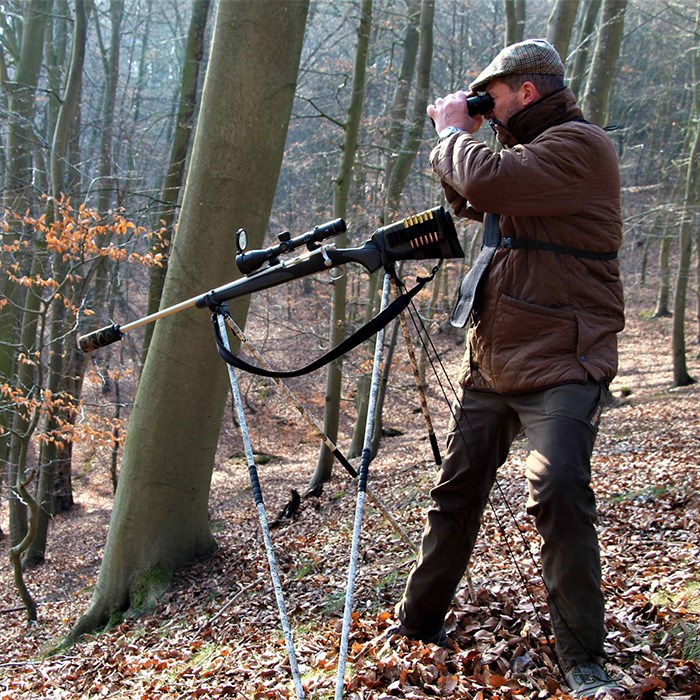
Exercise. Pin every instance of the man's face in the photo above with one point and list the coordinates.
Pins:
(506, 103)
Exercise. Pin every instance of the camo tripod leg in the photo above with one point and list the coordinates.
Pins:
(262, 515)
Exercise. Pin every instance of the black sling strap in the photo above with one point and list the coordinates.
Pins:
(556, 248)
(493, 240)
(470, 283)
(359, 336)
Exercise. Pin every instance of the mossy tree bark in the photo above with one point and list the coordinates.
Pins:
(576, 67)
(689, 219)
(52, 457)
(399, 169)
(561, 24)
(160, 518)
(17, 191)
(515, 21)
(166, 213)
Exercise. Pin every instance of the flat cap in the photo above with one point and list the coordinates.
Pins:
(529, 57)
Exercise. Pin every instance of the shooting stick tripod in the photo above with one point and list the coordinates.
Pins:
(222, 316)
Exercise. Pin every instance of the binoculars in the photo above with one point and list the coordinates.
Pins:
(479, 104)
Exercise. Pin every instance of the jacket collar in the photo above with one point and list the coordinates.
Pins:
(556, 108)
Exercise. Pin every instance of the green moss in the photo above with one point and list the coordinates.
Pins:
(304, 568)
(334, 603)
(259, 457)
(149, 587)
(648, 493)
(686, 635)
(218, 526)
(688, 597)
(116, 617)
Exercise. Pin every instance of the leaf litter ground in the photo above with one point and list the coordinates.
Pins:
(216, 632)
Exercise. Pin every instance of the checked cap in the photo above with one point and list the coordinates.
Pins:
(530, 57)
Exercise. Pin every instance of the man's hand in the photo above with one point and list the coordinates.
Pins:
(451, 110)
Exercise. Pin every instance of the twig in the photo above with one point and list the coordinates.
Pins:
(7, 611)
(227, 605)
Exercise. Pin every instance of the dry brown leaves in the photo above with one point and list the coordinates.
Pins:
(216, 633)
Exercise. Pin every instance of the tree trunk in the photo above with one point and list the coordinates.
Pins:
(20, 323)
(160, 517)
(603, 66)
(398, 176)
(55, 60)
(515, 21)
(689, 222)
(104, 182)
(363, 382)
(663, 294)
(399, 103)
(576, 69)
(409, 149)
(165, 216)
(70, 103)
(560, 25)
(35, 547)
(136, 101)
(697, 287)
(387, 356)
(17, 193)
(51, 455)
(21, 140)
(331, 413)
(695, 108)
(25, 419)
(664, 291)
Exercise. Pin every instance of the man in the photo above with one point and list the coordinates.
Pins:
(541, 344)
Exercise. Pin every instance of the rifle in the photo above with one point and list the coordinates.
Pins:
(429, 234)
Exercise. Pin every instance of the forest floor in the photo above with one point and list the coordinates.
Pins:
(216, 633)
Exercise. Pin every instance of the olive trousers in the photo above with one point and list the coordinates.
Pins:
(560, 424)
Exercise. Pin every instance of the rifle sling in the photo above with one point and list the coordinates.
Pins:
(359, 336)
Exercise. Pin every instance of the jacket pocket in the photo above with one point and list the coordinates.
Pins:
(534, 345)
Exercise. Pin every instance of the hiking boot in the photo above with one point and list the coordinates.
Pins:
(439, 638)
(588, 679)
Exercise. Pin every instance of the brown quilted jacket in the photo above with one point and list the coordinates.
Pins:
(542, 318)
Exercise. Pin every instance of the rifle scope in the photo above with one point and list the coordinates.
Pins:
(248, 263)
